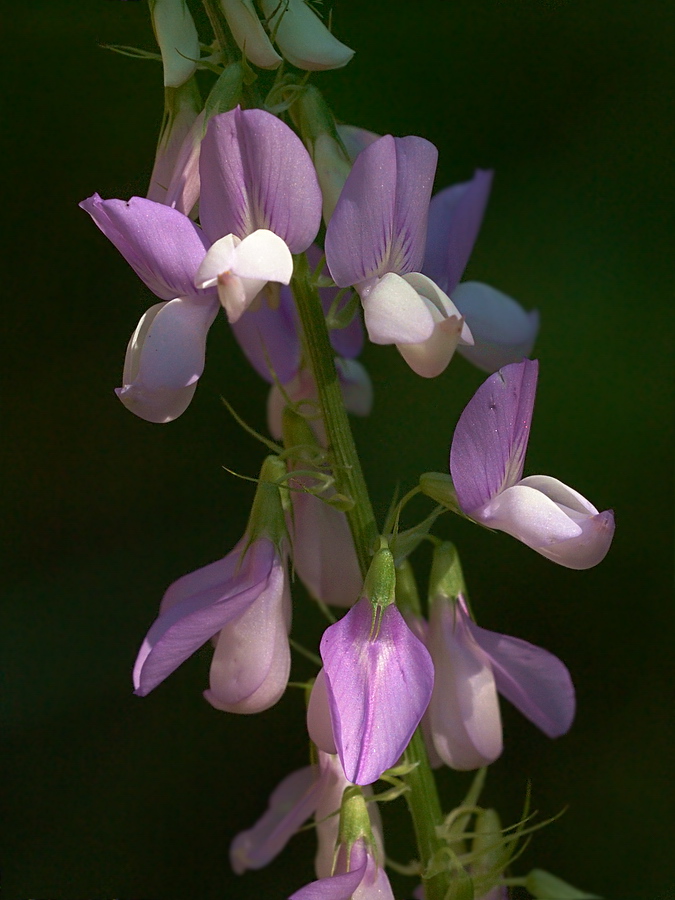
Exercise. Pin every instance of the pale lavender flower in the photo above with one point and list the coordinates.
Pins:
(177, 38)
(375, 241)
(358, 875)
(243, 602)
(486, 464)
(471, 665)
(260, 202)
(378, 678)
(502, 331)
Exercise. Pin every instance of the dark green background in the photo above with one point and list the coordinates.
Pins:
(110, 796)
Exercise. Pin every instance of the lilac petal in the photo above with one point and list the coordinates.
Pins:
(378, 689)
(171, 155)
(534, 680)
(464, 710)
(165, 358)
(256, 173)
(356, 139)
(379, 223)
(503, 332)
(552, 519)
(210, 598)
(336, 887)
(303, 38)
(252, 659)
(394, 312)
(319, 724)
(291, 803)
(182, 192)
(327, 815)
(455, 216)
(267, 334)
(490, 440)
(162, 246)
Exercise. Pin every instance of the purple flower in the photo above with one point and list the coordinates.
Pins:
(375, 241)
(471, 665)
(378, 678)
(502, 331)
(357, 876)
(243, 602)
(486, 464)
(260, 202)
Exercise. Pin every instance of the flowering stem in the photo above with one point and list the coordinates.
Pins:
(422, 796)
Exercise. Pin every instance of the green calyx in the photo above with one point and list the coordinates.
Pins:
(267, 517)
(354, 819)
(440, 488)
(447, 579)
(380, 584)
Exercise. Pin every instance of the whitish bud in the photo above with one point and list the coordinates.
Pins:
(249, 33)
(177, 38)
(302, 37)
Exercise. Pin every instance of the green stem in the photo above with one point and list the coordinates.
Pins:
(214, 15)
(422, 796)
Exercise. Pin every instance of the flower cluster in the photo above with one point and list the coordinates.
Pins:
(237, 196)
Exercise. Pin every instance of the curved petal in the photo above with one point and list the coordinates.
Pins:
(263, 255)
(464, 710)
(177, 38)
(267, 334)
(335, 887)
(256, 173)
(394, 313)
(490, 440)
(303, 38)
(379, 223)
(552, 519)
(252, 659)
(182, 192)
(249, 33)
(378, 685)
(455, 216)
(319, 724)
(165, 358)
(534, 680)
(188, 623)
(356, 139)
(162, 246)
(182, 111)
(327, 815)
(291, 803)
(323, 551)
(502, 330)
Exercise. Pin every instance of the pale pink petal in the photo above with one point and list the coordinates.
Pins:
(394, 313)
(249, 33)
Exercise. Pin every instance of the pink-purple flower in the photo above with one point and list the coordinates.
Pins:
(486, 463)
(358, 875)
(260, 202)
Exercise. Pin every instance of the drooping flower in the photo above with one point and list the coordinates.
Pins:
(502, 331)
(378, 678)
(260, 202)
(486, 464)
(375, 241)
(243, 602)
(303, 38)
(471, 665)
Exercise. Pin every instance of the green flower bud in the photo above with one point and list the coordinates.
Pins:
(544, 886)
(439, 487)
(267, 517)
(380, 583)
(446, 579)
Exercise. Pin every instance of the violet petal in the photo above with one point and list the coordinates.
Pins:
(378, 689)
(256, 173)
(490, 440)
(162, 246)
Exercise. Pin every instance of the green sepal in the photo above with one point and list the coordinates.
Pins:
(447, 579)
(407, 595)
(225, 93)
(544, 886)
(267, 517)
(380, 584)
(440, 488)
(354, 819)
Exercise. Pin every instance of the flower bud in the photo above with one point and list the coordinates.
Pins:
(249, 33)
(544, 886)
(303, 38)
(177, 38)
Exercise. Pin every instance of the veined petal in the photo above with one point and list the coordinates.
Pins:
(165, 358)
(162, 246)
(394, 313)
(534, 680)
(378, 685)
(335, 887)
(319, 724)
(464, 710)
(249, 33)
(554, 520)
(455, 216)
(256, 173)
(252, 659)
(263, 255)
(379, 223)
(291, 803)
(502, 330)
(187, 624)
(490, 440)
(303, 38)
